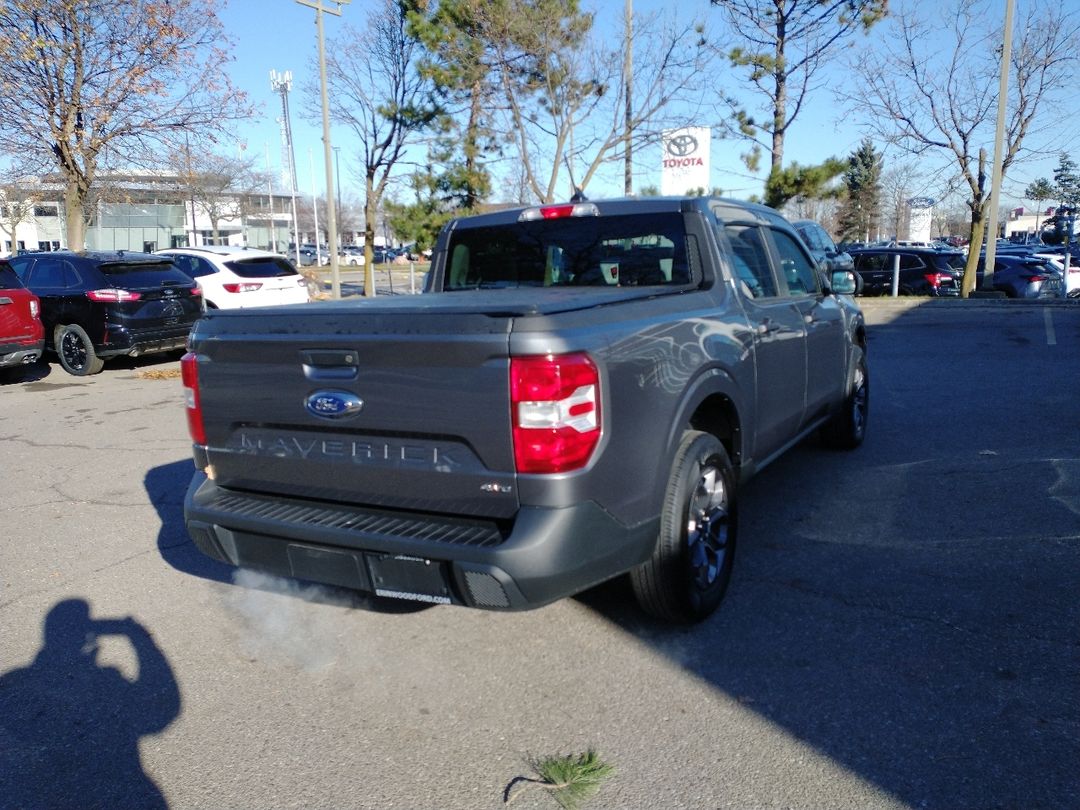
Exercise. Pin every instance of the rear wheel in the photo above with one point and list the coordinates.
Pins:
(847, 429)
(691, 566)
(76, 351)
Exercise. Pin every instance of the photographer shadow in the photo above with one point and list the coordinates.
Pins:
(70, 726)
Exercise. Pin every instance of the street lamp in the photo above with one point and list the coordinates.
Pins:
(332, 213)
(337, 181)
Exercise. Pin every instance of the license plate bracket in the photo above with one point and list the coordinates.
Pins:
(401, 576)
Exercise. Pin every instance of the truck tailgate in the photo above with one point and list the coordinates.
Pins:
(396, 408)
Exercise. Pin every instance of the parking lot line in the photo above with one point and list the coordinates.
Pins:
(1051, 339)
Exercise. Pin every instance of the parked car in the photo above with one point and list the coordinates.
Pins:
(101, 304)
(22, 336)
(353, 254)
(234, 277)
(821, 245)
(923, 271)
(1021, 276)
(310, 255)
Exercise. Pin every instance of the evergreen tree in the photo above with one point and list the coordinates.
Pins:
(802, 181)
(861, 209)
(1038, 192)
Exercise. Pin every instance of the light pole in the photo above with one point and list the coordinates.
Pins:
(331, 213)
(337, 181)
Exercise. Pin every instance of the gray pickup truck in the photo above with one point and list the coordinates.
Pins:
(578, 394)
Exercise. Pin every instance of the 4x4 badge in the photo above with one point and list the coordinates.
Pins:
(333, 404)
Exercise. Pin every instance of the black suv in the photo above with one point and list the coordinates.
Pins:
(923, 271)
(99, 304)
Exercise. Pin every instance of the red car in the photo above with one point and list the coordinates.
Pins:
(22, 337)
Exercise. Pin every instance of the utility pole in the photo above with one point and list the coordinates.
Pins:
(335, 273)
(337, 180)
(270, 199)
(999, 136)
(282, 83)
(628, 81)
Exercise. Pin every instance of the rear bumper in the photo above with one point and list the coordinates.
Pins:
(16, 354)
(121, 341)
(545, 555)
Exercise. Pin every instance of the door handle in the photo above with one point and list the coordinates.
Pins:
(768, 327)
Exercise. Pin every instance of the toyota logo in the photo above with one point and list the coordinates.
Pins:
(682, 145)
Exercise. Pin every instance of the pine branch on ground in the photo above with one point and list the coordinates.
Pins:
(570, 780)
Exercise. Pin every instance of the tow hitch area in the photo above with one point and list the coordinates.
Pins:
(415, 578)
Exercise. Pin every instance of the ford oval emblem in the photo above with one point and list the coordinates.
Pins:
(333, 404)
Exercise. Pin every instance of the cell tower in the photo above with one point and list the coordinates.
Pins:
(282, 83)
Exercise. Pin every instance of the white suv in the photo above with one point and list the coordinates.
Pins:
(233, 276)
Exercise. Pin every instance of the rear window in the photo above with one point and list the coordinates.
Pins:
(8, 279)
(956, 261)
(597, 251)
(144, 274)
(261, 267)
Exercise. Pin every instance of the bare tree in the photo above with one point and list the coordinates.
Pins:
(79, 78)
(783, 44)
(928, 99)
(17, 202)
(566, 98)
(378, 93)
(221, 186)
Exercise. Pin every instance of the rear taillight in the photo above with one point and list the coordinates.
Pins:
(1035, 278)
(35, 308)
(112, 296)
(937, 279)
(189, 374)
(250, 286)
(555, 410)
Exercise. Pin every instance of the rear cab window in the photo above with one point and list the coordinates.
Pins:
(631, 250)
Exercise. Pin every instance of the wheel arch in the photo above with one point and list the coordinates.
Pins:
(712, 404)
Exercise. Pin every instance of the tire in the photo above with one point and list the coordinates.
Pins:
(686, 578)
(76, 351)
(847, 429)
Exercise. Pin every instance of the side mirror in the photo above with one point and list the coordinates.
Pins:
(846, 282)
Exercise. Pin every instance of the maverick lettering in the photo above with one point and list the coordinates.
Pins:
(358, 451)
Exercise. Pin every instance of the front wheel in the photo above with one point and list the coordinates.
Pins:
(76, 351)
(847, 429)
(691, 566)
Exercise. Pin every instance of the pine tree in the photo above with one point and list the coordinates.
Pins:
(861, 210)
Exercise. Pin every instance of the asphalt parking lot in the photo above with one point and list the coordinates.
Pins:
(902, 628)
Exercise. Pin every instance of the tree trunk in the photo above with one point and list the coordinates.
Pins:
(369, 236)
(73, 216)
(978, 230)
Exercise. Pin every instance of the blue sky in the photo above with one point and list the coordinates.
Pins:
(281, 35)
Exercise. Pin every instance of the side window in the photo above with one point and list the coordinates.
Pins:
(870, 262)
(750, 260)
(798, 271)
(48, 274)
(71, 276)
(827, 244)
(910, 262)
(21, 268)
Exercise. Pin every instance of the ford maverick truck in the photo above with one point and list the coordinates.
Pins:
(579, 394)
